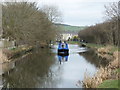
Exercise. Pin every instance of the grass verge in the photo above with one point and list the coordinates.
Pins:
(94, 45)
(73, 42)
(110, 84)
(9, 54)
(97, 46)
(118, 70)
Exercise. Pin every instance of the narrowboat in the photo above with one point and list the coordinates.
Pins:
(63, 49)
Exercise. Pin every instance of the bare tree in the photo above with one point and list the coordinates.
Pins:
(112, 10)
(106, 32)
(53, 13)
(24, 22)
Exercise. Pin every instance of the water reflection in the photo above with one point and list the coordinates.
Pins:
(32, 71)
(62, 58)
(92, 57)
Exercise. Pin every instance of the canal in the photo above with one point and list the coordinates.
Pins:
(43, 68)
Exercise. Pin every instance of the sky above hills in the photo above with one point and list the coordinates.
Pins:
(79, 12)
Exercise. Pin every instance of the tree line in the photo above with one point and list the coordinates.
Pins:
(106, 32)
(25, 23)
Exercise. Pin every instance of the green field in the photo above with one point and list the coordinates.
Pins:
(71, 29)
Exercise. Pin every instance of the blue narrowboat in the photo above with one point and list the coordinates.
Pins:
(63, 49)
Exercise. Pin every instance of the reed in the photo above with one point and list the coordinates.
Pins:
(104, 73)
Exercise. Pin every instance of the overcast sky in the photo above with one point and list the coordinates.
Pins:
(79, 12)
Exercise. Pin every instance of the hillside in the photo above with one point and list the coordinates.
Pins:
(71, 29)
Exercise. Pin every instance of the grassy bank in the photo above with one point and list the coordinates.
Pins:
(110, 84)
(105, 77)
(94, 45)
(19, 51)
(72, 42)
(9, 54)
(97, 46)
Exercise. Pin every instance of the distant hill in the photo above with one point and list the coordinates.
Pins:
(70, 29)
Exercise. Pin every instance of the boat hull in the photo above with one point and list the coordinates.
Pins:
(63, 52)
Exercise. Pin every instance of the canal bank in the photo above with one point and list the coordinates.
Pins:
(9, 54)
(108, 76)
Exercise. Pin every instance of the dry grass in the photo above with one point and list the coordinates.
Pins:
(98, 78)
(105, 50)
(6, 55)
(115, 63)
(3, 57)
(103, 73)
(115, 54)
(107, 53)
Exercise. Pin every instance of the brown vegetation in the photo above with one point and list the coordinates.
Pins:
(104, 73)
(3, 57)
(7, 55)
(104, 53)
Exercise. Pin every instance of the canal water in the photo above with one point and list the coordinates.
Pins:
(43, 68)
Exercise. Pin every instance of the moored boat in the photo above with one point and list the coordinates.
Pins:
(63, 49)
